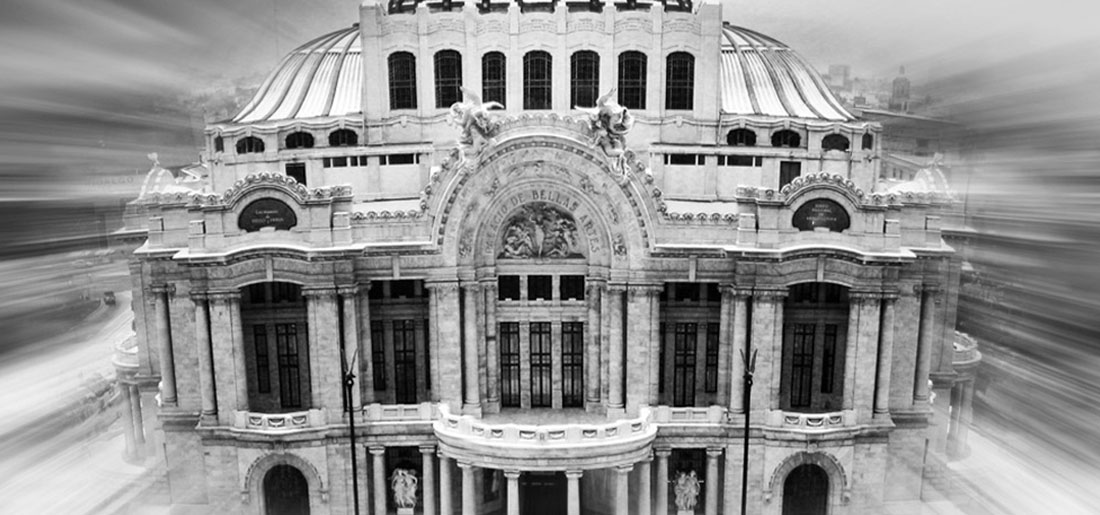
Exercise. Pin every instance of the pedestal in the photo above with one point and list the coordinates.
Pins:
(404, 511)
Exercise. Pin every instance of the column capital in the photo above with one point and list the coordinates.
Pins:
(168, 288)
(464, 465)
(644, 289)
(616, 287)
(377, 451)
(473, 286)
(310, 292)
(199, 296)
(734, 290)
(224, 296)
(512, 474)
(574, 474)
(348, 290)
(864, 295)
(442, 287)
(714, 452)
(769, 294)
(623, 470)
(427, 449)
(662, 452)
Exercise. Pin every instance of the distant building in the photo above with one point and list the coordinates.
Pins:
(840, 76)
(899, 94)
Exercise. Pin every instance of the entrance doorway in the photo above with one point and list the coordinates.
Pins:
(542, 493)
(806, 491)
(285, 491)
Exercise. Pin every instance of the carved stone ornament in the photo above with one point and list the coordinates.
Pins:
(404, 484)
(687, 491)
(539, 230)
(478, 126)
(610, 123)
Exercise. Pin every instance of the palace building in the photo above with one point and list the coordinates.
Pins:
(541, 236)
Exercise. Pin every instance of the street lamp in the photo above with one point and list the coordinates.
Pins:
(349, 385)
(750, 367)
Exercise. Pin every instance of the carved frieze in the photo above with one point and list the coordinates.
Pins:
(539, 230)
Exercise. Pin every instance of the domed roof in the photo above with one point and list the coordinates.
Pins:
(762, 76)
(321, 78)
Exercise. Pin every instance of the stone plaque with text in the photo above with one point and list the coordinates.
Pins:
(267, 212)
(821, 213)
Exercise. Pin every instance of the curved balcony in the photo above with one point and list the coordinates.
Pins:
(125, 359)
(575, 446)
(966, 351)
(279, 422)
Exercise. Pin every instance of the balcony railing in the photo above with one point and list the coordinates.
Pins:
(689, 415)
(966, 350)
(549, 435)
(423, 412)
(817, 421)
(279, 422)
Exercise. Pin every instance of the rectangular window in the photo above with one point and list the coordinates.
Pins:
(585, 83)
(710, 382)
(378, 354)
(404, 361)
(508, 287)
(286, 345)
(828, 358)
(572, 287)
(509, 364)
(540, 287)
(802, 363)
(263, 363)
(537, 80)
(572, 364)
(398, 159)
(632, 77)
(789, 171)
(685, 159)
(680, 81)
(427, 354)
(662, 334)
(403, 289)
(541, 366)
(683, 365)
(297, 171)
(687, 292)
(737, 160)
(493, 78)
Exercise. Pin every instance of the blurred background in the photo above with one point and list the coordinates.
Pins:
(1009, 91)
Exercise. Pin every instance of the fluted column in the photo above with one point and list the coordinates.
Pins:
(224, 309)
(471, 370)
(615, 402)
(352, 353)
(492, 346)
(378, 475)
(711, 506)
(885, 357)
(446, 499)
(740, 342)
(205, 354)
(366, 347)
(449, 343)
(661, 482)
(513, 491)
(469, 500)
(593, 296)
(645, 483)
(164, 345)
(622, 489)
(427, 464)
(925, 340)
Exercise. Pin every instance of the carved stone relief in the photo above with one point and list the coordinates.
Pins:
(539, 230)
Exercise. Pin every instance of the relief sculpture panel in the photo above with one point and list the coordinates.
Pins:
(539, 230)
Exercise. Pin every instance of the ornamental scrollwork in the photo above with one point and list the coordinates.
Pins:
(540, 230)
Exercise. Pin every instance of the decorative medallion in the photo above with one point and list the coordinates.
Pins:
(539, 230)
(821, 212)
(267, 212)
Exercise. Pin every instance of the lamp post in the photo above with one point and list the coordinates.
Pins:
(750, 367)
(349, 383)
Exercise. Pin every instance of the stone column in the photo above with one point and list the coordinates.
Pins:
(573, 492)
(655, 344)
(925, 341)
(615, 403)
(885, 358)
(645, 482)
(164, 345)
(513, 491)
(352, 353)
(965, 418)
(851, 346)
(711, 506)
(326, 385)
(446, 500)
(777, 352)
(739, 345)
(139, 420)
(427, 463)
(769, 355)
(593, 295)
(240, 364)
(449, 350)
(622, 489)
(639, 348)
(366, 348)
(469, 501)
(378, 474)
(127, 416)
(725, 340)
(206, 357)
(492, 347)
(867, 355)
(661, 482)
(471, 372)
(224, 308)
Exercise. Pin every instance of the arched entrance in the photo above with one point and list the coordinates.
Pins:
(806, 491)
(542, 493)
(285, 491)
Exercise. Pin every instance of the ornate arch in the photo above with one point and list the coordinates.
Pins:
(252, 486)
(840, 489)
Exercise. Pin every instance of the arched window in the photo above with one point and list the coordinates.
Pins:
(835, 142)
(815, 328)
(402, 80)
(448, 78)
(250, 145)
(679, 81)
(741, 138)
(493, 77)
(343, 138)
(219, 144)
(299, 140)
(585, 85)
(632, 75)
(537, 80)
(868, 142)
(786, 138)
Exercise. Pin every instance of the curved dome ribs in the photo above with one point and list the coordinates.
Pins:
(763, 76)
(320, 78)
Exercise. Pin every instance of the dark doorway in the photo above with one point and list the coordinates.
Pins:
(285, 491)
(806, 491)
(542, 493)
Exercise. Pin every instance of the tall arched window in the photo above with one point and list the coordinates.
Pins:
(250, 145)
(680, 81)
(786, 138)
(219, 144)
(585, 85)
(632, 75)
(402, 80)
(741, 138)
(537, 80)
(493, 77)
(835, 142)
(868, 142)
(448, 78)
(343, 138)
(299, 140)
(815, 327)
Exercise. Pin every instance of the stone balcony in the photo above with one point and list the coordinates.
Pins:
(270, 423)
(966, 351)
